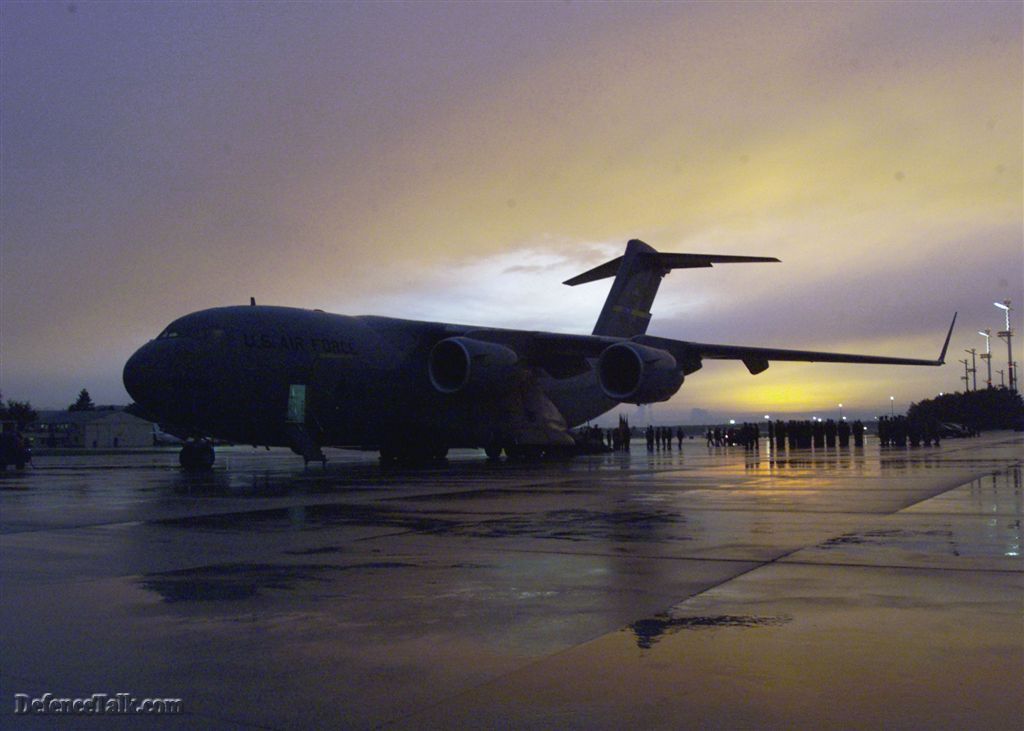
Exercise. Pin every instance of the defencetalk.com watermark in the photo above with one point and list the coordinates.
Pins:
(97, 704)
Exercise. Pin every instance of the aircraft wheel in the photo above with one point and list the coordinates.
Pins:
(206, 456)
(186, 457)
(195, 456)
(559, 453)
(416, 456)
(525, 452)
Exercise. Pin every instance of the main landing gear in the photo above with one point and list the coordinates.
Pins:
(196, 456)
(412, 454)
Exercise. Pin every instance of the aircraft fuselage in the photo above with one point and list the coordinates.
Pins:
(232, 373)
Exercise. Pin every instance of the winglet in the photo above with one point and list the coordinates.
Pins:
(945, 345)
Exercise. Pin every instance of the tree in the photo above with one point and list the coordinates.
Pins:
(84, 402)
(988, 408)
(21, 412)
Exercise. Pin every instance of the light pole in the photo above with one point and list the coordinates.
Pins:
(974, 367)
(892, 407)
(987, 355)
(1008, 334)
(1002, 381)
(966, 377)
(840, 412)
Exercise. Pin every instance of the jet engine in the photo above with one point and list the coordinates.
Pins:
(638, 374)
(458, 363)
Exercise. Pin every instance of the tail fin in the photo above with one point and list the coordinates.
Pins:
(638, 272)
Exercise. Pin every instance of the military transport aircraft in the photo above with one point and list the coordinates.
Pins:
(280, 376)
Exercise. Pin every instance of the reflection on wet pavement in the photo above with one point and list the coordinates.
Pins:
(710, 588)
(231, 582)
(975, 526)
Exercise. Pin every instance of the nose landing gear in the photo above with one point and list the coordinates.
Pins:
(196, 456)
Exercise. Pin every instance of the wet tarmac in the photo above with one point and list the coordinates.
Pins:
(703, 588)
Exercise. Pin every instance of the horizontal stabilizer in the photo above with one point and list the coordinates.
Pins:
(665, 262)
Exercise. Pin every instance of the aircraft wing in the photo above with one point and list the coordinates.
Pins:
(756, 359)
(565, 355)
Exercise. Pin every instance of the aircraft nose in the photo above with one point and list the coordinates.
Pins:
(138, 375)
(167, 378)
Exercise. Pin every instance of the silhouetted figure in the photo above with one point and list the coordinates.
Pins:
(830, 434)
(625, 436)
(858, 433)
(818, 433)
(899, 432)
(913, 433)
(649, 434)
(844, 434)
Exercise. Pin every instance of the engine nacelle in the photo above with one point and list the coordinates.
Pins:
(459, 363)
(638, 374)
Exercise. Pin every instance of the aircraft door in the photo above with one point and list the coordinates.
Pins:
(324, 382)
(296, 404)
(336, 393)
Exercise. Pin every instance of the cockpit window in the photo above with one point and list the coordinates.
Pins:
(191, 330)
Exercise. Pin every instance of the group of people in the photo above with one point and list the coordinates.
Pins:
(895, 431)
(594, 440)
(660, 437)
(746, 436)
(619, 437)
(815, 433)
(898, 431)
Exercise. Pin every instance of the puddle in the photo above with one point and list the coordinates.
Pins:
(580, 525)
(649, 631)
(236, 582)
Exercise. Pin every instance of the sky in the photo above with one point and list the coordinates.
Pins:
(458, 161)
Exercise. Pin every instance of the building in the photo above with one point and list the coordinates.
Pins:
(98, 429)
